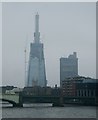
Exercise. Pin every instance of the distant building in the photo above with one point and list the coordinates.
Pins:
(56, 91)
(37, 91)
(86, 89)
(4, 88)
(69, 86)
(17, 90)
(36, 70)
(79, 86)
(68, 67)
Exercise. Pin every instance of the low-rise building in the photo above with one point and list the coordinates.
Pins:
(3, 89)
(37, 91)
(79, 86)
(86, 89)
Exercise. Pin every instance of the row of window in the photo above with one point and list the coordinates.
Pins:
(86, 93)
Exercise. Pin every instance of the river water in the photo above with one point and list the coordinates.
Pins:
(47, 111)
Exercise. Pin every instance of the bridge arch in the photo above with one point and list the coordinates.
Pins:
(12, 102)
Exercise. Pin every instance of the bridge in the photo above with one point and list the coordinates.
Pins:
(14, 99)
(60, 100)
(17, 100)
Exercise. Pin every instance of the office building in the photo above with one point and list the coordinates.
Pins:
(36, 69)
(68, 67)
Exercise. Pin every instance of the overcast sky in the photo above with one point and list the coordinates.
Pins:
(64, 28)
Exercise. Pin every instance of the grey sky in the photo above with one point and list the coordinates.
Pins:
(64, 28)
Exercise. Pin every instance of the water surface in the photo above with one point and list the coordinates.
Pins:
(47, 111)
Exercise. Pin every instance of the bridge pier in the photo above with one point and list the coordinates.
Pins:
(18, 105)
(20, 102)
(58, 103)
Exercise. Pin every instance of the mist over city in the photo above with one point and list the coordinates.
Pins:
(48, 60)
(64, 28)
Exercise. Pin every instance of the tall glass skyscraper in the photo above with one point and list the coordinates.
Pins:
(68, 67)
(36, 69)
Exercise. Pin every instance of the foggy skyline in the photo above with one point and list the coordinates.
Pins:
(64, 28)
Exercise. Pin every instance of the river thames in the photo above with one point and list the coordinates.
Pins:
(47, 111)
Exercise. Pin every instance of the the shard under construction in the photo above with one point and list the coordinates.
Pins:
(36, 68)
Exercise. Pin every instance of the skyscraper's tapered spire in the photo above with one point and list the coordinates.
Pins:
(36, 33)
(37, 22)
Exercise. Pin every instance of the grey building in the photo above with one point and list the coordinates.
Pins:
(36, 69)
(86, 89)
(68, 67)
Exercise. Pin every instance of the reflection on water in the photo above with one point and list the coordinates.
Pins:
(47, 111)
(5, 104)
(38, 105)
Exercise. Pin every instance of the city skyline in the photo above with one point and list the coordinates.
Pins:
(65, 28)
